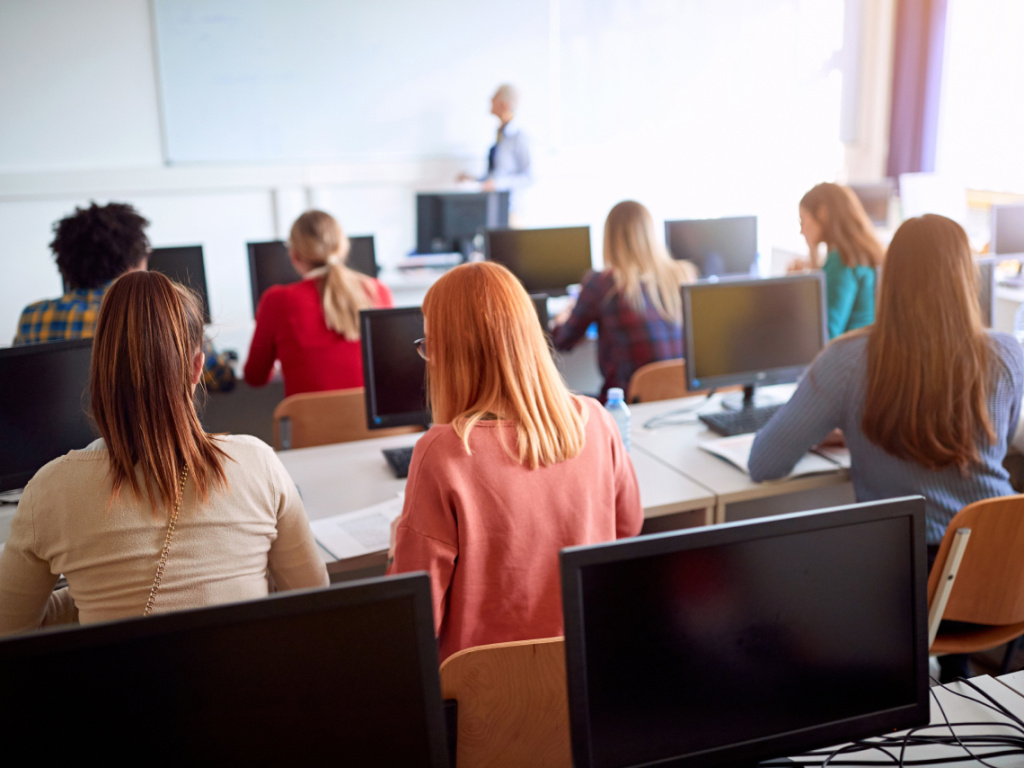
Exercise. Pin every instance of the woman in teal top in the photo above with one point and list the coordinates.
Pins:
(832, 214)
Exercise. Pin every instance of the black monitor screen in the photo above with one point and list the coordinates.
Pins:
(269, 264)
(758, 331)
(987, 288)
(544, 260)
(874, 198)
(394, 374)
(448, 222)
(748, 640)
(1008, 229)
(726, 246)
(343, 674)
(44, 389)
(183, 265)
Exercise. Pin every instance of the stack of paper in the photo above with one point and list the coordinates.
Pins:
(362, 532)
(736, 450)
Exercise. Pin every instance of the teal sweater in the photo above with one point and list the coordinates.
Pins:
(850, 294)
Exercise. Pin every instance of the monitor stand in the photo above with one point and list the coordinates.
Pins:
(749, 399)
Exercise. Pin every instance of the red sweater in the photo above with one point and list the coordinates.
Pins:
(290, 327)
(488, 530)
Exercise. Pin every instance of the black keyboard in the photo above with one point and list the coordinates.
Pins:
(399, 459)
(730, 423)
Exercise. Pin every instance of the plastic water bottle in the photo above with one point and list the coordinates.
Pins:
(617, 407)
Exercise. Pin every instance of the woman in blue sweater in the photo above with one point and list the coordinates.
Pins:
(833, 215)
(927, 399)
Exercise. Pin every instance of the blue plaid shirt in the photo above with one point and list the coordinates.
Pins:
(626, 339)
(73, 316)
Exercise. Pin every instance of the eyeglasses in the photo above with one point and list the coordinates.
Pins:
(421, 348)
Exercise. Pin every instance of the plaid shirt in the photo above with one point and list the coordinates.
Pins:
(626, 339)
(73, 316)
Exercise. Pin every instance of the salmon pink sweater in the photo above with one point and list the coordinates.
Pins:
(488, 529)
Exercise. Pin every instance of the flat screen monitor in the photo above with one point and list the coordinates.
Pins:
(1008, 229)
(875, 200)
(544, 260)
(987, 279)
(747, 641)
(726, 246)
(394, 374)
(44, 389)
(269, 264)
(345, 674)
(752, 332)
(453, 222)
(184, 265)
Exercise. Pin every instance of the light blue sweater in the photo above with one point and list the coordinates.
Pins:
(832, 395)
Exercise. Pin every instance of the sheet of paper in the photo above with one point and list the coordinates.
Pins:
(361, 532)
(736, 450)
(840, 454)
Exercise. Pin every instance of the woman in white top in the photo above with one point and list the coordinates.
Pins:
(216, 514)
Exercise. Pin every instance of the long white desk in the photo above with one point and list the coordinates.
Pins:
(676, 446)
(347, 477)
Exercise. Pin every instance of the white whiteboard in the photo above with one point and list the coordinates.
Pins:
(334, 80)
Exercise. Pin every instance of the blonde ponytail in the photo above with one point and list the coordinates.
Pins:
(318, 240)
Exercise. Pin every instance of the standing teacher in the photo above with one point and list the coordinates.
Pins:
(508, 161)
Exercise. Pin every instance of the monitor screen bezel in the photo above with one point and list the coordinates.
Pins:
(200, 279)
(276, 605)
(699, 264)
(407, 419)
(574, 559)
(550, 290)
(780, 375)
(12, 481)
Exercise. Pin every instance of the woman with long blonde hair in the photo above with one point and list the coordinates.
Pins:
(312, 326)
(832, 215)
(927, 399)
(635, 301)
(514, 469)
(156, 515)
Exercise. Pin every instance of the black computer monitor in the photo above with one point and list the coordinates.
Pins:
(1008, 229)
(747, 641)
(44, 389)
(269, 264)
(452, 222)
(726, 246)
(874, 198)
(752, 332)
(346, 674)
(987, 279)
(544, 260)
(184, 265)
(394, 374)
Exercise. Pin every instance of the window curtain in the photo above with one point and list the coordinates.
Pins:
(917, 78)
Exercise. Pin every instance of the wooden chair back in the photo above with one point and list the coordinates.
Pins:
(663, 380)
(513, 704)
(321, 418)
(989, 585)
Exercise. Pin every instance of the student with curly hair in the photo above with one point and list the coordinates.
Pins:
(92, 247)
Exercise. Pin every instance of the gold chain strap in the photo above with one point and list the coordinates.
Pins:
(167, 544)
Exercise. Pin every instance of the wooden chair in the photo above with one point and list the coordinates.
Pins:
(662, 380)
(982, 583)
(320, 418)
(513, 705)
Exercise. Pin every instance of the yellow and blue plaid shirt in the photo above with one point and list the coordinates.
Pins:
(73, 316)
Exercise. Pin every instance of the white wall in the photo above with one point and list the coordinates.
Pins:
(80, 120)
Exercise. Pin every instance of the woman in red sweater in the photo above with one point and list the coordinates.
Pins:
(514, 469)
(312, 326)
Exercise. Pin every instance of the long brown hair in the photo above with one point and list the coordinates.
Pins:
(928, 354)
(639, 261)
(845, 227)
(147, 334)
(488, 357)
(318, 240)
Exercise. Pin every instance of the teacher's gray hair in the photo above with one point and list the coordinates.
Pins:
(509, 94)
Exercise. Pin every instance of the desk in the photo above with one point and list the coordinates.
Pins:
(346, 477)
(676, 447)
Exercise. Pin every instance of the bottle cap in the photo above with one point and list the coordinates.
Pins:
(615, 393)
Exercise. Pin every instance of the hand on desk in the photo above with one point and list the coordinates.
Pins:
(798, 265)
(463, 176)
(834, 439)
